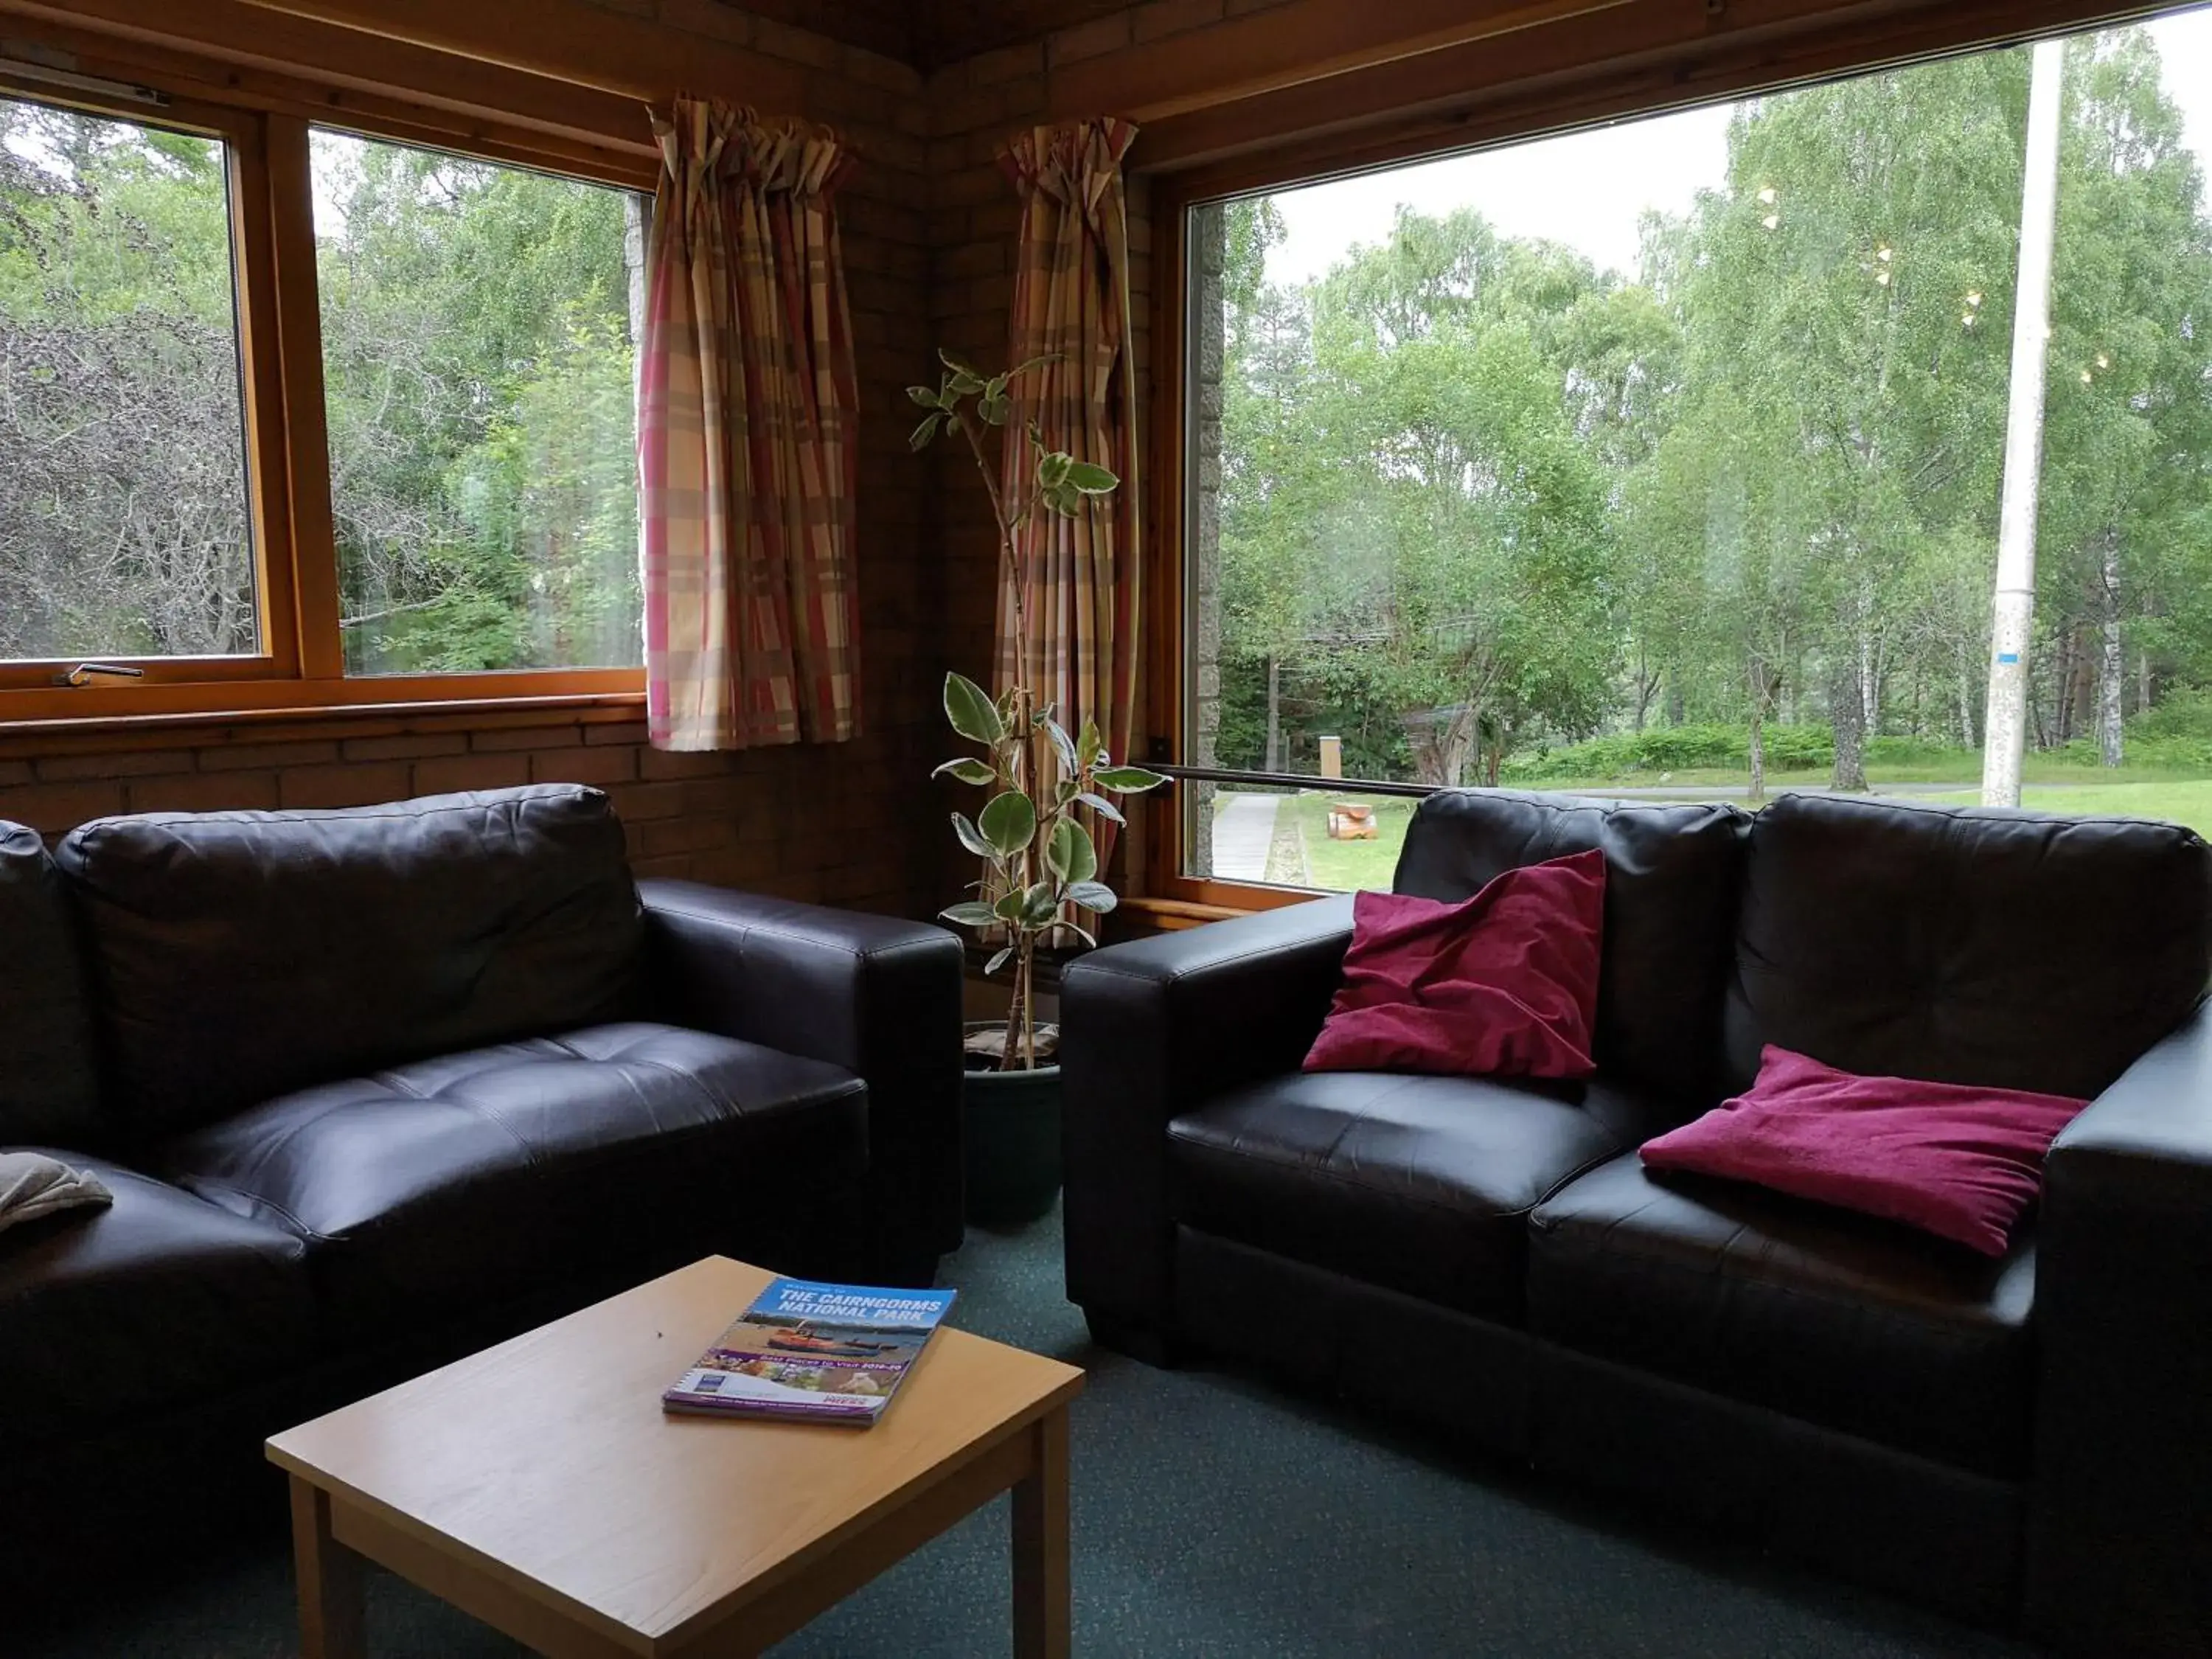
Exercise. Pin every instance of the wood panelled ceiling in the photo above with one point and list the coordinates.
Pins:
(954, 29)
(930, 33)
(889, 26)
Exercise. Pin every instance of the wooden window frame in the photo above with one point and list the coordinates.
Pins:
(1390, 116)
(265, 123)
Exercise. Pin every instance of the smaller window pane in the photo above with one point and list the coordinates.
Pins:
(124, 529)
(478, 360)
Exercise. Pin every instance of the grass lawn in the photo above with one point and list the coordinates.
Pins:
(1967, 769)
(1304, 856)
(2179, 801)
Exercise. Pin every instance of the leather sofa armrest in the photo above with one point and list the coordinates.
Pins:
(2120, 1518)
(879, 996)
(1149, 1029)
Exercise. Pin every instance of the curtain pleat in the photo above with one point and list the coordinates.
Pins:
(747, 400)
(1072, 305)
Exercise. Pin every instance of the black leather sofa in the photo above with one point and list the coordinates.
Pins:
(373, 1087)
(2024, 1442)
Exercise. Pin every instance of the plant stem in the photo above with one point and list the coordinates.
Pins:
(1013, 573)
(1019, 1051)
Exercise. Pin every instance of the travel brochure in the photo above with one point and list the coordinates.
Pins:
(812, 1353)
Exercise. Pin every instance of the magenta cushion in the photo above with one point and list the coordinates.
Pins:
(1504, 984)
(1958, 1160)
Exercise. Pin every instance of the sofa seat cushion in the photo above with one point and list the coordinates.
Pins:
(154, 1304)
(1847, 1322)
(438, 1187)
(1419, 1184)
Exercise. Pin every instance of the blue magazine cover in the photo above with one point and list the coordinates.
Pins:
(814, 1352)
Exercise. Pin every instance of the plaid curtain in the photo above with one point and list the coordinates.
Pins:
(1071, 303)
(747, 397)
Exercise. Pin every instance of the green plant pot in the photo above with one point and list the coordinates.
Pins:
(1009, 1131)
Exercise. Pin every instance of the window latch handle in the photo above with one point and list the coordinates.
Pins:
(85, 672)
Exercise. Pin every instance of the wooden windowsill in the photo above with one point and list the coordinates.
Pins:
(1172, 915)
(107, 733)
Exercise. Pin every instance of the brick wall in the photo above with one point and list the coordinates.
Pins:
(755, 820)
(852, 823)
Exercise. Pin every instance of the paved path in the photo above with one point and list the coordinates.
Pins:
(1243, 830)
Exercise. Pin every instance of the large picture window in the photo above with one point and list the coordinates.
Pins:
(1663, 460)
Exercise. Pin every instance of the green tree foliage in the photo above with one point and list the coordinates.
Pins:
(478, 366)
(1274, 505)
(2129, 422)
(123, 511)
(1475, 489)
(1843, 411)
(1408, 510)
(478, 369)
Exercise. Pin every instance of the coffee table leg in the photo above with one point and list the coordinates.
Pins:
(329, 1577)
(1043, 1614)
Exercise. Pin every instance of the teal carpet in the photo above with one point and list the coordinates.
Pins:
(1214, 1516)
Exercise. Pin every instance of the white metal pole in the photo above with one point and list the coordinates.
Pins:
(2005, 734)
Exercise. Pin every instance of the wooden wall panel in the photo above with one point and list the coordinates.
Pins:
(1217, 57)
(227, 48)
(610, 47)
(1637, 57)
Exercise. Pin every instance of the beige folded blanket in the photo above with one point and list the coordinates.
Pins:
(32, 1185)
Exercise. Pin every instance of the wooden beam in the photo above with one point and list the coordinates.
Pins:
(1651, 55)
(227, 49)
(565, 40)
(1286, 46)
(226, 702)
(33, 739)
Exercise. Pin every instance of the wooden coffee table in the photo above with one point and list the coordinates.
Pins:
(539, 1486)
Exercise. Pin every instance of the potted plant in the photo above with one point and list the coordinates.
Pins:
(1040, 863)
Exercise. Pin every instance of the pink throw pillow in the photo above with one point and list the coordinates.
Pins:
(1504, 984)
(1957, 1160)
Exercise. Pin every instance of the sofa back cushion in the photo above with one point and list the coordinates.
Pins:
(1966, 944)
(1671, 873)
(49, 1091)
(240, 955)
